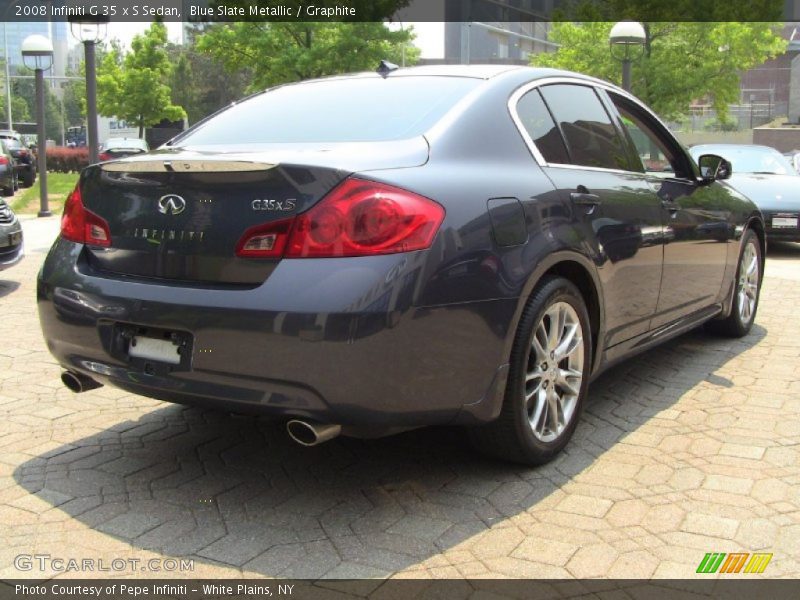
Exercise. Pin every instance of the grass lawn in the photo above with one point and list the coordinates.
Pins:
(59, 186)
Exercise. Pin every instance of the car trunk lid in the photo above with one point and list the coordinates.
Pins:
(178, 214)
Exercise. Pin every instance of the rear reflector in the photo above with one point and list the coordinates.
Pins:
(265, 241)
(81, 225)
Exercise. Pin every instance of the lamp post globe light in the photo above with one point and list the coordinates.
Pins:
(627, 40)
(90, 31)
(37, 54)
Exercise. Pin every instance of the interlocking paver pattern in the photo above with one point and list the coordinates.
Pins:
(689, 448)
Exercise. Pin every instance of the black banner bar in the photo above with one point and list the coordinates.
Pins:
(397, 589)
(490, 11)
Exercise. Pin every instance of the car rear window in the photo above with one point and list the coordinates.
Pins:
(336, 110)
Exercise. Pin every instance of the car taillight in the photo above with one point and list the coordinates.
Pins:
(357, 218)
(3, 160)
(81, 225)
(104, 156)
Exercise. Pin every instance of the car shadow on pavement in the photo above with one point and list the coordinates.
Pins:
(8, 287)
(235, 491)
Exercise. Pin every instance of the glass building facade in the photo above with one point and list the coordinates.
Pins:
(14, 32)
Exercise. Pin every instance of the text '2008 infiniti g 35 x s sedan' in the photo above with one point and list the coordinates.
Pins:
(364, 254)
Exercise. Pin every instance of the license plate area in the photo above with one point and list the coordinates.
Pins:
(152, 350)
(12, 239)
(784, 222)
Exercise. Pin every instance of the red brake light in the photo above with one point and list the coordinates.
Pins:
(104, 156)
(357, 218)
(362, 218)
(81, 225)
(3, 160)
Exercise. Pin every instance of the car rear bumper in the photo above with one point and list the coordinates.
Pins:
(783, 235)
(790, 229)
(333, 340)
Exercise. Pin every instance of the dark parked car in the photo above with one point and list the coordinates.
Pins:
(8, 173)
(464, 245)
(766, 177)
(24, 157)
(121, 147)
(11, 248)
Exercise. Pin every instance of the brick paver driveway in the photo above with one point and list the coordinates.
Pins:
(688, 449)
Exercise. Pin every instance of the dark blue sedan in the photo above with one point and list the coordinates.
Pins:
(364, 254)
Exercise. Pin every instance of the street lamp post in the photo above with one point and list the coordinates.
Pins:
(626, 39)
(37, 54)
(90, 30)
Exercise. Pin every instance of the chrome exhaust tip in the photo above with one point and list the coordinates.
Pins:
(78, 383)
(311, 434)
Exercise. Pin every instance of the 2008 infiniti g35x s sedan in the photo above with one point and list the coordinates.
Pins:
(376, 252)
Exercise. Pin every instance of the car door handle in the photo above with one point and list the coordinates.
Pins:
(584, 198)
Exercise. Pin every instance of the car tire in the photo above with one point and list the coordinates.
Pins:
(29, 178)
(528, 431)
(746, 290)
(9, 191)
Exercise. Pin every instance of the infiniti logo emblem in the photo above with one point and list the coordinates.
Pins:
(171, 204)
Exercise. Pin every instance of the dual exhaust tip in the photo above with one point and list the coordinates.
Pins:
(304, 433)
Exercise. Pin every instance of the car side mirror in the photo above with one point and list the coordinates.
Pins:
(713, 167)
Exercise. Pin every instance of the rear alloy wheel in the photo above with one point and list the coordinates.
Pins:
(547, 380)
(746, 291)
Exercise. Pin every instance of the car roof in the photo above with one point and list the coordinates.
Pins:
(474, 71)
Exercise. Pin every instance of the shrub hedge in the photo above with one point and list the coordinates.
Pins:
(67, 160)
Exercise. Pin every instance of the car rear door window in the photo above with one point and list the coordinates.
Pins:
(539, 124)
(591, 137)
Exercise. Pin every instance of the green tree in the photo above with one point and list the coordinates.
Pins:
(75, 99)
(20, 109)
(281, 52)
(23, 104)
(200, 84)
(134, 86)
(680, 62)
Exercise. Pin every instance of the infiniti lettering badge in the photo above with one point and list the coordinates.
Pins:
(171, 204)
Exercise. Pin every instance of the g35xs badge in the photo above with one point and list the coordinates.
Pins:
(278, 205)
